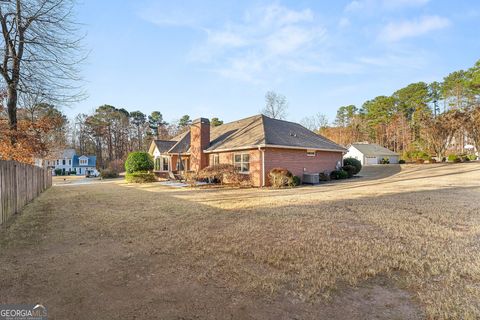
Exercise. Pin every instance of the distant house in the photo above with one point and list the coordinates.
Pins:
(69, 161)
(254, 145)
(371, 153)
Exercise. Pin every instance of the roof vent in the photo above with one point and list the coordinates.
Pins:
(292, 134)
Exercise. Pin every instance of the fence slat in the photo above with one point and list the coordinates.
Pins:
(19, 184)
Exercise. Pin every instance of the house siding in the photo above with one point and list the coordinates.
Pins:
(297, 161)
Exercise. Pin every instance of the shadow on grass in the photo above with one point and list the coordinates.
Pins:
(174, 257)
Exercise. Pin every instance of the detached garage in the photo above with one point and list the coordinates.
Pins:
(371, 153)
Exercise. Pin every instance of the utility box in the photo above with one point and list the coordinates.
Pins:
(311, 178)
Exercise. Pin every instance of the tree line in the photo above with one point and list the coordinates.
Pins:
(111, 133)
(422, 118)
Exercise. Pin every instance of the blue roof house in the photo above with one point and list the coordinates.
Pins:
(83, 163)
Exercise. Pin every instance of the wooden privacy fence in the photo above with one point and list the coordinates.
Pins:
(19, 184)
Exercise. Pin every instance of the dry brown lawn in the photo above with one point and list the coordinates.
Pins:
(390, 245)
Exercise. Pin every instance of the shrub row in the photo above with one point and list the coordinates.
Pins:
(59, 172)
(224, 174)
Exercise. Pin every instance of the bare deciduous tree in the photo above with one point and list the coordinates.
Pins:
(316, 123)
(438, 132)
(276, 105)
(41, 52)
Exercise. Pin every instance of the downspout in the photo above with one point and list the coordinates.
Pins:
(263, 165)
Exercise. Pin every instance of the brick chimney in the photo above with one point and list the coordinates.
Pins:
(199, 141)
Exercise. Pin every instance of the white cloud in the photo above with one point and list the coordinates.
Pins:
(395, 31)
(371, 5)
(226, 38)
(267, 42)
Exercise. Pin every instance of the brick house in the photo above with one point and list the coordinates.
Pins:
(255, 145)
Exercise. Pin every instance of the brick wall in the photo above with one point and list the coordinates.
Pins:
(294, 160)
(297, 161)
(199, 141)
(255, 163)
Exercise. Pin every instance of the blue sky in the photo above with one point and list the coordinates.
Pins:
(218, 58)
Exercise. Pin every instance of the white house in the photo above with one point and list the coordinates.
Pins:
(371, 153)
(68, 161)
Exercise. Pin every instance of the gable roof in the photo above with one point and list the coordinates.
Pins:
(164, 145)
(373, 150)
(261, 130)
(246, 132)
(92, 161)
(182, 145)
(291, 134)
(257, 131)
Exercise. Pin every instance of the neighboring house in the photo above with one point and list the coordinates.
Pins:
(371, 153)
(69, 161)
(82, 164)
(254, 145)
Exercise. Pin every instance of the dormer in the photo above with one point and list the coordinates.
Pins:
(83, 160)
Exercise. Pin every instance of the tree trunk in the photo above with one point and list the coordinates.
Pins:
(12, 112)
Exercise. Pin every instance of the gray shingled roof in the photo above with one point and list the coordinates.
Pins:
(182, 145)
(255, 131)
(373, 150)
(238, 134)
(164, 145)
(261, 130)
(285, 133)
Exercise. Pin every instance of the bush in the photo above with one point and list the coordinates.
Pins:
(401, 161)
(138, 161)
(454, 158)
(108, 174)
(416, 155)
(466, 159)
(419, 161)
(58, 172)
(296, 181)
(472, 157)
(350, 170)
(324, 176)
(140, 177)
(224, 174)
(385, 161)
(444, 159)
(338, 174)
(280, 177)
(353, 162)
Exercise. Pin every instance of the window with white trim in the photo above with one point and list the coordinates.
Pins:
(215, 159)
(83, 162)
(241, 161)
(164, 164)
(311, 153)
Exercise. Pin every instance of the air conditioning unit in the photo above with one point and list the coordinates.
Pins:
(311, 178)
